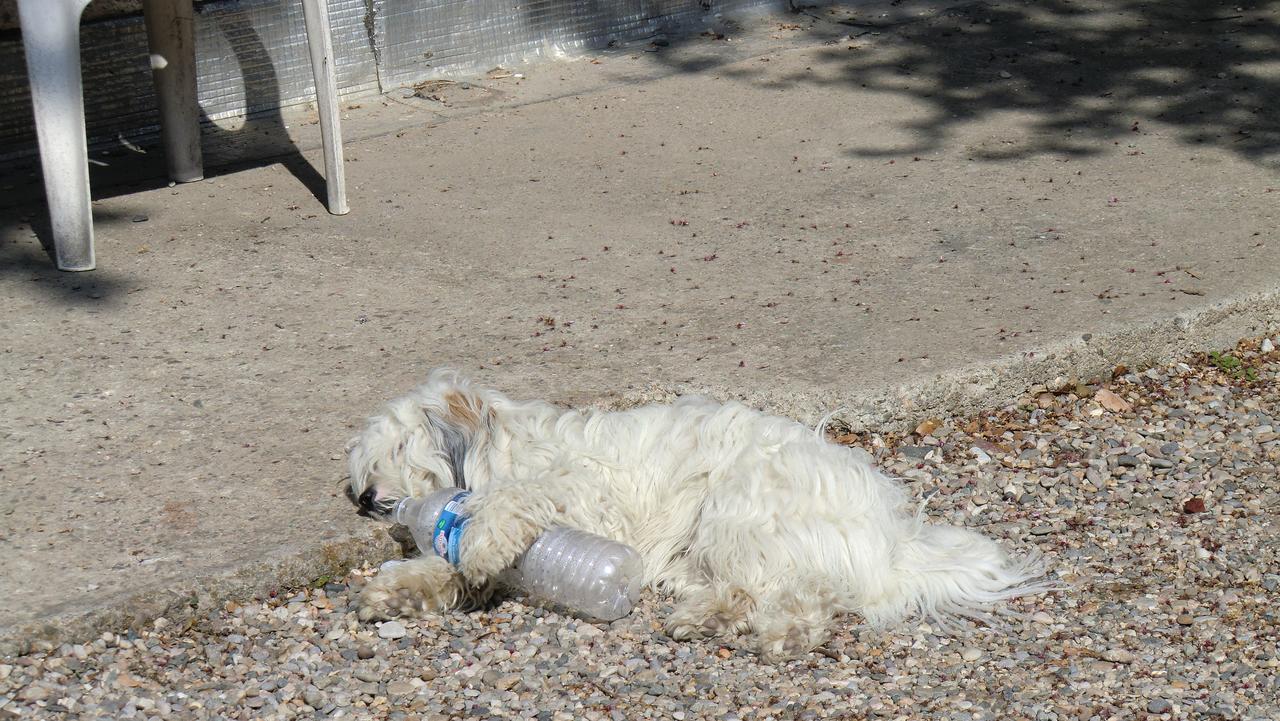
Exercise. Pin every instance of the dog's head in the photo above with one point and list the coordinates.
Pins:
(417, 445)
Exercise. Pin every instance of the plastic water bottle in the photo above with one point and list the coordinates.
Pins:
(575, 571)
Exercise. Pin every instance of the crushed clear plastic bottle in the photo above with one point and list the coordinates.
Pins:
(565, 568)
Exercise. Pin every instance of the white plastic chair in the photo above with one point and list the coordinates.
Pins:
(51, 39)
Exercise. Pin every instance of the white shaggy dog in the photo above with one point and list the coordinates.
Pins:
(754, 523)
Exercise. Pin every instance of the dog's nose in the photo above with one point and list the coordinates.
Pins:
(367, 498)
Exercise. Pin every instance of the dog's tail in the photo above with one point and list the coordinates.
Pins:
(945, 574)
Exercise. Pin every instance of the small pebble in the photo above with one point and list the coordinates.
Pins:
(1117, 655)
(365, 652)
(392, 630)
(1128, 461)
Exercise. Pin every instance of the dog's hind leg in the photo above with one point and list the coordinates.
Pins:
(709, 611)
(415, 587)
(792, 623)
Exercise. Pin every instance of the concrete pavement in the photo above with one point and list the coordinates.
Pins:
(904, 214)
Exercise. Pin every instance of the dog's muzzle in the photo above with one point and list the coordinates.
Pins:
(369, 505)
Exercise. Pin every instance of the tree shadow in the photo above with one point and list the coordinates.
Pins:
(1081, 71)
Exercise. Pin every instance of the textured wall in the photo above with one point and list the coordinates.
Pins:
(252, 54)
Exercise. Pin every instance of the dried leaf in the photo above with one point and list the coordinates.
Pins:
(1112, 402)
(994, 449)
(928, 426)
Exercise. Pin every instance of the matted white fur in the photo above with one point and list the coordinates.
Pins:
(754, 523)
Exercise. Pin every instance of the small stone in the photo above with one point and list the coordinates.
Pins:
(34, 693)
(1117, 655)
(313, 697)
(1126, 460)
(1006, 74)
(1041, 530)
(1041, 617)
(1159, 705)
(1193, 505)
(428, 674)
(970, 654)
(915, 452)
(980, 455)
(1184, 619)
(400, 688)
(392, 630)
(1267, 346)
(365, 652)
(368, 675)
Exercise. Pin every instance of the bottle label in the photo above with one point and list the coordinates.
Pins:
(449, 528)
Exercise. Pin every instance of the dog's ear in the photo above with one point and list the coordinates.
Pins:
(464, 423)
(454, 444)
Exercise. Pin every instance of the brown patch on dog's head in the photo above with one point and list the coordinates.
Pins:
(467, 410)
(463, 409)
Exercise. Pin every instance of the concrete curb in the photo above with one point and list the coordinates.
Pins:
(971, 389)
(958, 392)
(284, 571)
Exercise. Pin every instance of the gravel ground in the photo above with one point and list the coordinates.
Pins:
(1153, 494)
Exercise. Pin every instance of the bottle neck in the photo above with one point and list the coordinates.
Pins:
(401, 512)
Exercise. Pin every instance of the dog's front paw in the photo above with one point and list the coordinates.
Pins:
(785, 648)
(490, 546)
(410, 589)
(501, 526)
